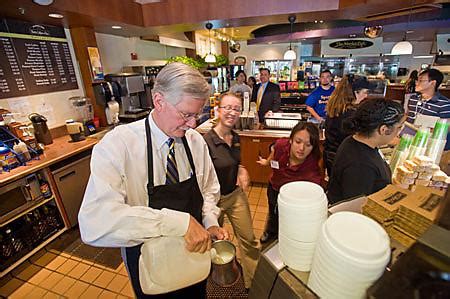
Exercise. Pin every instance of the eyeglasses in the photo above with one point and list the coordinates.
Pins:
(228, 108)
(423, 80)
(186, 116)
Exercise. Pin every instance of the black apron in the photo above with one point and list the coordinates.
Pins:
(184, 197)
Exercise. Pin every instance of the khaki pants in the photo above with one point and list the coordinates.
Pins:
(235, 206)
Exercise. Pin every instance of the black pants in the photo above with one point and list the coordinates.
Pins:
(272, 218)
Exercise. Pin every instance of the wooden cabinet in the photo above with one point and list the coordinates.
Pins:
(251, 149)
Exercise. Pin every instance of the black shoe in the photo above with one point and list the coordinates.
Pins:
(267, 237)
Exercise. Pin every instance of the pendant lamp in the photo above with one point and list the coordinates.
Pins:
(290, 54)
(404, 47)
(210, 58)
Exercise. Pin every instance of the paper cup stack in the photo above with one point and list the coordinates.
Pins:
(351, 253)
(302, 210)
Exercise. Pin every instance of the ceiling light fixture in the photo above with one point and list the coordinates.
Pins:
(404, 47)
(116, 27)
(290, 54)
(55, 15)
(373, 31)
(43, 2)
(210, 58)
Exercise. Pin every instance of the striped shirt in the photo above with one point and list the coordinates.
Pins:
(438, 106)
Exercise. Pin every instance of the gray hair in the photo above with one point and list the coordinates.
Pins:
(176, 80)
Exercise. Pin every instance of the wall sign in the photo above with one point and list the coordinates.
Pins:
(34, 59)
(354, 46)
(351, 44)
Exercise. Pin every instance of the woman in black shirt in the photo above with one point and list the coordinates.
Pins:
(359, 168)
(224, 149)
(348, 94)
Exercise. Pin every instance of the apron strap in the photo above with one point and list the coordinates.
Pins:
(188, 153)
(148, 136)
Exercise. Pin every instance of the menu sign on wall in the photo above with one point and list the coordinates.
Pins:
(34, 59)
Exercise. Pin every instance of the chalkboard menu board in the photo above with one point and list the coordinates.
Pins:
(34, 59)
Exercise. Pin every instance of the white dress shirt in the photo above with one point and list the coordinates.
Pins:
(115, 211)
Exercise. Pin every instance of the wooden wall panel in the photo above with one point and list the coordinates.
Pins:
(83, 37)
(183, 11)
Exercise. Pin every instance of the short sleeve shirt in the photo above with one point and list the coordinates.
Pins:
(226, 159)
(318, 100)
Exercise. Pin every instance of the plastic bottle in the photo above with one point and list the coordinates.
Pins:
(21, 149)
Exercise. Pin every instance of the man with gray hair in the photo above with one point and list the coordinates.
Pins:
(154, 178)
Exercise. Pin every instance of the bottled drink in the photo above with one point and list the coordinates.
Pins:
(45, 187)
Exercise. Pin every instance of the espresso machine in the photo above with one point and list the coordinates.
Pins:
(134, 104)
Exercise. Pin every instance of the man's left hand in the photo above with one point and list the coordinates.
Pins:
(218, 233)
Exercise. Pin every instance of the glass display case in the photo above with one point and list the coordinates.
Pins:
(280, 70)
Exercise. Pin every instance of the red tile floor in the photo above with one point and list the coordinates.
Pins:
(56, 272)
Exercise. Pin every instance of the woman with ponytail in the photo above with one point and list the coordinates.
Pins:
(225, 151)
(359, 169)
(348, 94)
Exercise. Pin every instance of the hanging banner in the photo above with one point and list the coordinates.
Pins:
(354, 46)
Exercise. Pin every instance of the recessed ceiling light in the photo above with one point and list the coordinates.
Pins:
(352, 35)
(237, 30)
(55, 15)
(116, 27)
(321, 21)
(303, 38)
(315, 21)
(410, 31)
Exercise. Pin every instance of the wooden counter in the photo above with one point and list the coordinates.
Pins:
(60, 149)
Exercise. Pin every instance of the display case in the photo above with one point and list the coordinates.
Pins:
(280, 70)
(220, 79)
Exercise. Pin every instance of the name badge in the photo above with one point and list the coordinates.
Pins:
(274, 164)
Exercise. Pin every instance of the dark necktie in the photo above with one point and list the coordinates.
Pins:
(171, 170)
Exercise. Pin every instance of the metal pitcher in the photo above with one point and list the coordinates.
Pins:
(225, 270)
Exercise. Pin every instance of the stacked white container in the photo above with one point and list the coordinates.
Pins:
(351, 253)
(302, 210)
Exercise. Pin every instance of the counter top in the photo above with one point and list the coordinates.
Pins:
(207, 125)
(60, 149)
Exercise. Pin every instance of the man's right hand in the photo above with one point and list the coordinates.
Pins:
(197, 237)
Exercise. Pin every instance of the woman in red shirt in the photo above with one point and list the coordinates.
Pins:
(293, 159)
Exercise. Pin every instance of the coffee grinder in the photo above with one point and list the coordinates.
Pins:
(133, 101)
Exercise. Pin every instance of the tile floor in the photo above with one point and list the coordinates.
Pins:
(59, 273)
